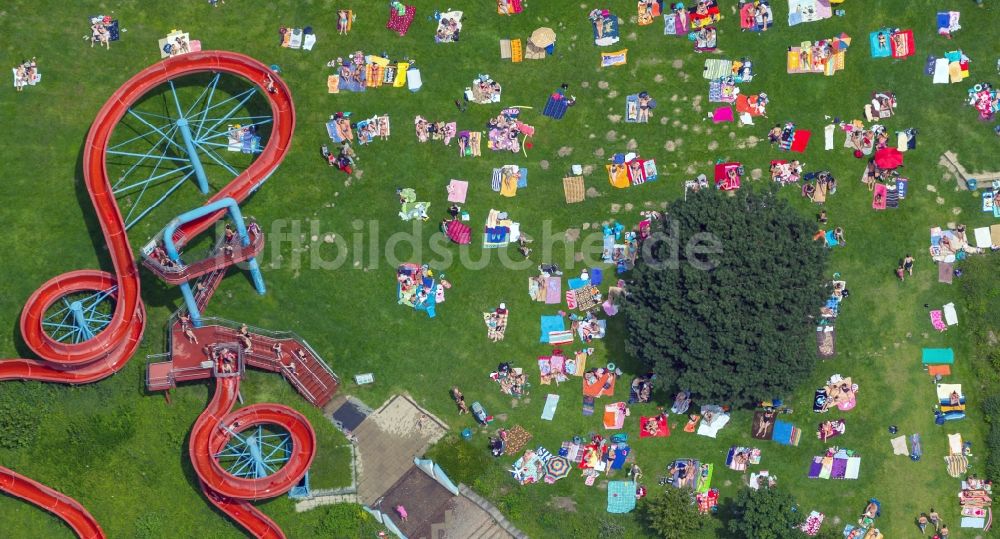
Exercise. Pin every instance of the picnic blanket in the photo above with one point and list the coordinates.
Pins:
(812, 523)
(739, 457)
(946, 272)
(801, 140)
(549, 410)
(839, 427)
(621, 496)
(550, 324)
(614, 415)
(599, 386)
(654, 427)
(958, 465)
(588, 405)
(457, 191)
(786, 433)
(826, 341)
(517, 439)
(573, 188)
(938, 356)
(899, 445)
(400, 18)
(762, 426)
(800, 11)
(553, 290)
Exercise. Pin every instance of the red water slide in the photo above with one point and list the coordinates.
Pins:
(109, 351)
(213, 430)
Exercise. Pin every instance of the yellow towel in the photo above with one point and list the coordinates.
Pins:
(508, 185)
(333, 84)
(400, 80)
(618, 176)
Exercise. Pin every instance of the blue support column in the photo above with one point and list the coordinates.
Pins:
(81, 321)
(192, 150)
(192, 305)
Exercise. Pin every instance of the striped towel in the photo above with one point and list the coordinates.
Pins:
(497, 179)
(543, 454)
(560, 337)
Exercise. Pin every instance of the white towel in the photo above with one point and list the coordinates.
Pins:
(950, 315)
(902, 141)
(899, 446)
(941, 71)
(828, 136)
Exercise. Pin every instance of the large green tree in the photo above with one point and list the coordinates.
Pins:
(765, 513)
(671, 514)
(724, 296)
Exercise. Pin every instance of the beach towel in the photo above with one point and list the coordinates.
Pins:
(939, 370)
(839, 468)
(457, 191)
(654, 427)
(937, 320)
(621, 496)
(786, 433)
(941, 71)
(588, 405)
(853, 469)
(549, 410)
(800, 11)
(946, 272)
(762, 427)
(717, 68)
(595, 386)
(573, 188)
(611, 59)
(957, 465)
(614, 415)
(878, 197)
(899, 446)
(553, 291)
(826, 342)
(828, 133)
(720, 420)
(549, 324)
(983, 239)
(938, 356)
(557, 338)
(801, 140)
(722, 115)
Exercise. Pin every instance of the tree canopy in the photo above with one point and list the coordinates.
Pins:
(765, 513)
(724, 294)
(672, 513)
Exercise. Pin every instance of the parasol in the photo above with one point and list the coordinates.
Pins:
(557, 467)
(543, 37)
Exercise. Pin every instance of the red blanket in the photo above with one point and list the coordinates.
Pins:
(646, 428)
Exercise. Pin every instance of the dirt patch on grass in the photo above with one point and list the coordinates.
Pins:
(713, 145)
(615, 118)
(756, 173)
(631, 144)
(564, 151)
(585, 84)
(939, 200)
(664, 120)
(602, 84)
(564, 503)
(592, 193)
(677, 64)
(658, 78)
(588, 170)
(611, 136)
(931, 188)
(544, 164)
(612, 94)
(599, 152)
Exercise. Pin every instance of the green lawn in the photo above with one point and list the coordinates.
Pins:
(122, 452)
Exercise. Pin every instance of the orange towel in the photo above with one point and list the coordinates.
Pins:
(943, 370)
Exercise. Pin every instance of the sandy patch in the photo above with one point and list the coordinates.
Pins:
(586, 226)
(615, 208)
(585, 84)
(572, 234)
(732, 135)
(939, 200)
(669, 146)
(578, 257)
(676, 123)
(690, 169)
(628, 207)
(631, 145)
(612, 94)
(329, 238)
(673, 97)
(615, 118)
(677, 64)
(588, 170)
(599, 152)
(658, 78)
(564, 151)
(756, 173)
(602, 84)
(611, 136)
(697, 129)
(564, 503)
(677, 110)
(684, 127)
(359, 173)
(632, 36)
(713, 145)
(592, 193)
(664, 120)
(956, 211)
(544, 164)
(931, 188)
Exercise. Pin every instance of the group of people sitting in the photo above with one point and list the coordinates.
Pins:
(448, 30)
(180, 45)
(25, 73)
(344, 159)
(503, 131)
(825, 184)
(427, 130)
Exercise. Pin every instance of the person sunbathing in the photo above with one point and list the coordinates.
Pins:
(955, 399)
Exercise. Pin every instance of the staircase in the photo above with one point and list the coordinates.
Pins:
(211, 282)
(311, 376)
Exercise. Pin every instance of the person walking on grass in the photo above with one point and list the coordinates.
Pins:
(922, 522)
(935, 519)
(900, 273)
(908, 264)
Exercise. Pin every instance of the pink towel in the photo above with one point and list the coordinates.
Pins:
(878, 197)
(553, 290)
(457, 191)
(722, 114)
(937, 320)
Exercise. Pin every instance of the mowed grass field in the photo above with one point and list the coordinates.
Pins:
(123, 453)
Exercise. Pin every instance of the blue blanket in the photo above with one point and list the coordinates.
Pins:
(551, 323)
